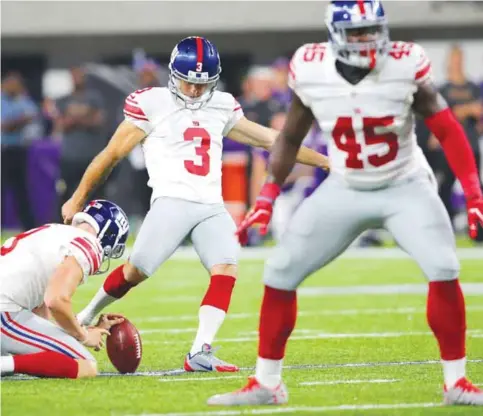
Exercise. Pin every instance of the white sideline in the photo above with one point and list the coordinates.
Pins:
(304, 409)
(261, 253)
(327, 312)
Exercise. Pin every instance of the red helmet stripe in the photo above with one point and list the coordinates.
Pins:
(362, 8)
(199, 50)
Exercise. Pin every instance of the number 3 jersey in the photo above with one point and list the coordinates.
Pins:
(28, 261)
(369, 125)
(183, 147)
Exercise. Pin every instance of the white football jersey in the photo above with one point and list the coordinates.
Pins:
(28, 261)
(370, 125)
(183, 147)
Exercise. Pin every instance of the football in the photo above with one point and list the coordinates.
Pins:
(124, 347)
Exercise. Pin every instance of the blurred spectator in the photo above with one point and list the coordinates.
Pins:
(81, 121)
(280, 90)
(296, 185)
(18, 112)
(258, 106)
(256, 101)
(463, 96)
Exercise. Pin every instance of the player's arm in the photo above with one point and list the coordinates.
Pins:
(430, 105)
(254, 134)
(126, 137)
(282, 160)
(42, 311)
(286, 147)
(58, 297)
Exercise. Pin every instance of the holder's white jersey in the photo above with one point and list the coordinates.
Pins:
(183, 147)
(370, 125)
(28, 261)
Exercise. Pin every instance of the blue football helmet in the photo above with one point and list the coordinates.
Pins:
(358, 18)
(111, 225)
(194, 60)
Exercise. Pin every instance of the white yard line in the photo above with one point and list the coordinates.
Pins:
(322, 335)
(196, 379)
(167, 331)
(469, 289)
(305, 383)
(334, 382)
(179, 371)
(334, 312)
(262, 253)
(298, 409)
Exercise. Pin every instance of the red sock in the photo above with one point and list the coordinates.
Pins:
(219, 292)
(277, 321)
(446, 318)
(46, 364)
(116, 285)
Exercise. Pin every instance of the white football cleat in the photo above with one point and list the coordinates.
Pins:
(463, 392)
(253, 394)
(205, 360)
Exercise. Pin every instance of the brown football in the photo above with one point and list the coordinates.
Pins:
(124, 347)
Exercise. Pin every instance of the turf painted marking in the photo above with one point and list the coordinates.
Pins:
(297, 409)
(180, 371)
(469, 289)
(196, 379)
(322, 335)
(262, 253)
(305, 383)
(334, 312)
(333, 382)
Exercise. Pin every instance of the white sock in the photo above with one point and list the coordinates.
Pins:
(453, 370)
(210, 320)
(96, 305)
(269, 372)
(6, 364)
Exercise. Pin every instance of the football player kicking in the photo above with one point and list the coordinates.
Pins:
(181, 129)
(40, 270)
(363, 90)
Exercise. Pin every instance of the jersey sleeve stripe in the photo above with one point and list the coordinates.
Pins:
(84, 251)
(291, 71)
(134, 110)
(421, 73)
(127, 113)
(91, 249)
(237, 108)
(131, 101)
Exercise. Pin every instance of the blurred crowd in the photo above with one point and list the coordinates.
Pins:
(78, 124)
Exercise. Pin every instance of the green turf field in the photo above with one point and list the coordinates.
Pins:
(351, 353)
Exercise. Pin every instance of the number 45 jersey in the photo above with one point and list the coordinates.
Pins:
(183, 147)
(370, 125)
